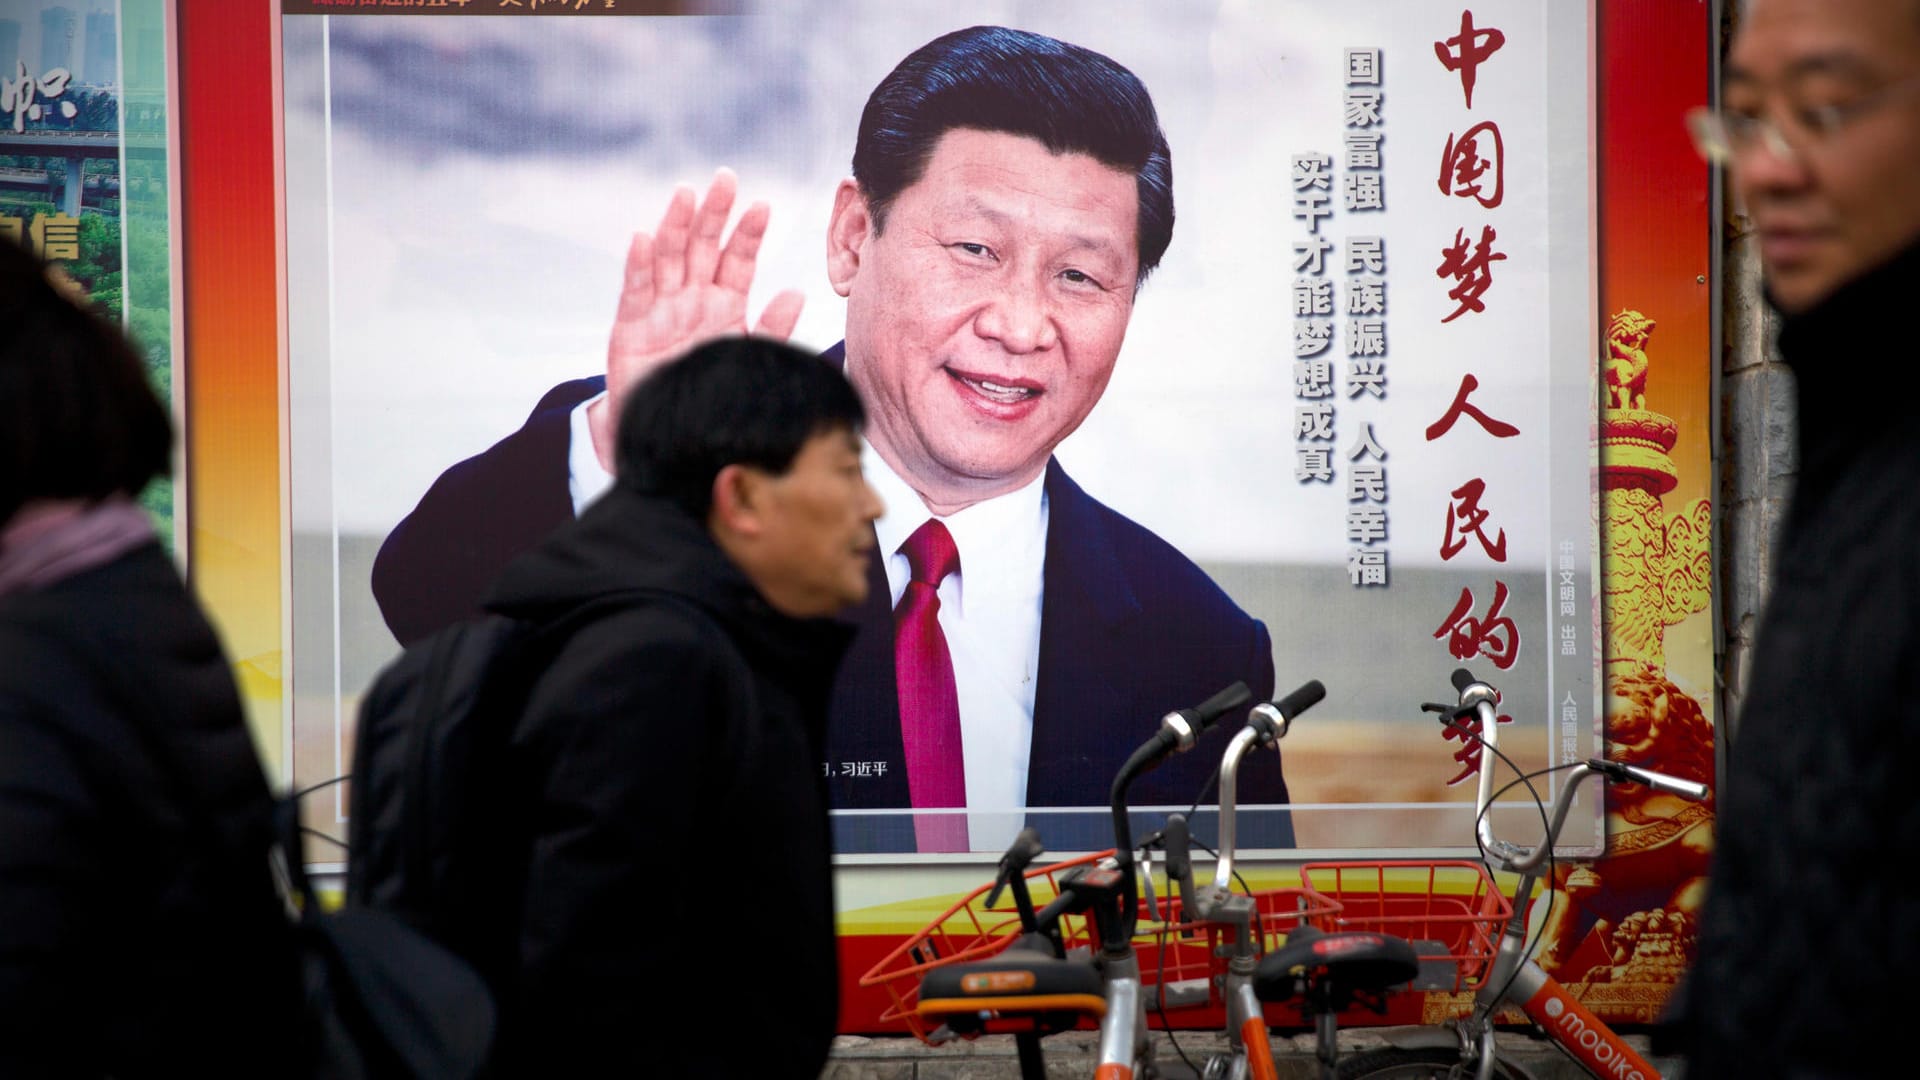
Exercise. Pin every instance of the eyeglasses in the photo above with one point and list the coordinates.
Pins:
(1720, 135)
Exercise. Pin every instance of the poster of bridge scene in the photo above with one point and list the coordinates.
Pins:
(83, 163)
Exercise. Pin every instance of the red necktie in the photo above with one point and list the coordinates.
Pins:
(929, 704)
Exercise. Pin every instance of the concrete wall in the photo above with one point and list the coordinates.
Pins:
(1759, 460)
(1757, 451)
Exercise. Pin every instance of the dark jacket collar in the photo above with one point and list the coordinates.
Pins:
(1839, 353)
(627, 542)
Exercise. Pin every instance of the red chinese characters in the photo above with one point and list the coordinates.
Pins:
(1494, 636)
(1466, 51)
(1473, 166)
(1468, 159)
(1499, 429)
(1465, 509)
(1472, 271)
(1466, 731)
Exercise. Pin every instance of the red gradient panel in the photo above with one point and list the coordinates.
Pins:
(1655, 246)
(230, 271)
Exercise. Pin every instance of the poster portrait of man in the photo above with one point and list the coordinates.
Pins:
(1134, 425)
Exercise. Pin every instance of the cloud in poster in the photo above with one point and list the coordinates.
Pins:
(417, 87)
(482, 177)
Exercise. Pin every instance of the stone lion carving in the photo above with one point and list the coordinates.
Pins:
(1631, 915)
(1626, 365)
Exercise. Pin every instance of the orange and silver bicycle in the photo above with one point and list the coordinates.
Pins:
(1360, 956)
(1234, 925)
(1078, 960)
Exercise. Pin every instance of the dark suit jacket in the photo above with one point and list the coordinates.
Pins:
(1130, 630)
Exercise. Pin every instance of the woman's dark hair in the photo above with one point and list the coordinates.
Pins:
(736, 400)
(78, 419)
(990, 78)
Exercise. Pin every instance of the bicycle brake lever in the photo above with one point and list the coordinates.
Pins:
(1001, 879)
(1449, 714)
(999, 886)
(1025, 848)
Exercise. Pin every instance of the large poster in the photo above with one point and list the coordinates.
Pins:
(1422, 370)
(1343, 431)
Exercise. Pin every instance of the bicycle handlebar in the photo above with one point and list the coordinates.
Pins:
(1622, 773)
(1478, 699)
(1267, 723)
(1185, 726)
(1179, 730)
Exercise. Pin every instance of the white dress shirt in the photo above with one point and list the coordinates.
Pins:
(990, 614)
(587, 480)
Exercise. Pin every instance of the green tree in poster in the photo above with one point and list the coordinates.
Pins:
(98, 112)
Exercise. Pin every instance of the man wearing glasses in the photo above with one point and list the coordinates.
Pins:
(1809, 943)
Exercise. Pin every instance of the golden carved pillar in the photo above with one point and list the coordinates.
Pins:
(1622, 927)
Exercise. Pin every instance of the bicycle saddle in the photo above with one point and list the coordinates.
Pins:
(1017, 990)
(1342, 963)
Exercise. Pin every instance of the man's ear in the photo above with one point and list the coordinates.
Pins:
(847, 233)
(737, 499)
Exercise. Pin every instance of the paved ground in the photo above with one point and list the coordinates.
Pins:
(1071, 1055)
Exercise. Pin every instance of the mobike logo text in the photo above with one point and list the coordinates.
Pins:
(1574, 1030)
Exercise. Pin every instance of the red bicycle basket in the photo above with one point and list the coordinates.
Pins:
(1454, 912)
(1170, 951)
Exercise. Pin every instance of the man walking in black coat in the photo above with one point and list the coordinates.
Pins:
(1810, 937)
(689, 723)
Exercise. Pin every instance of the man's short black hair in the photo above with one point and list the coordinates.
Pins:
(991, 78)
(735, 400)
(78, 418)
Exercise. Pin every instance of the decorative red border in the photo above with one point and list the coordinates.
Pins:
(230, 306)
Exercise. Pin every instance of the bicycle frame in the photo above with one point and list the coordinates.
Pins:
(1111, 897)
(1514, 978)
(1249, 1045)
(1123, 1031)
(1567, 1022)
(1032, 986)
(1250, 1048)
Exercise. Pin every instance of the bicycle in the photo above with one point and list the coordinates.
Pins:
(1231, 922)
(965, 976)
(1327, 972)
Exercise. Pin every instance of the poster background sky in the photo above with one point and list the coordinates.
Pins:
(486, 176)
